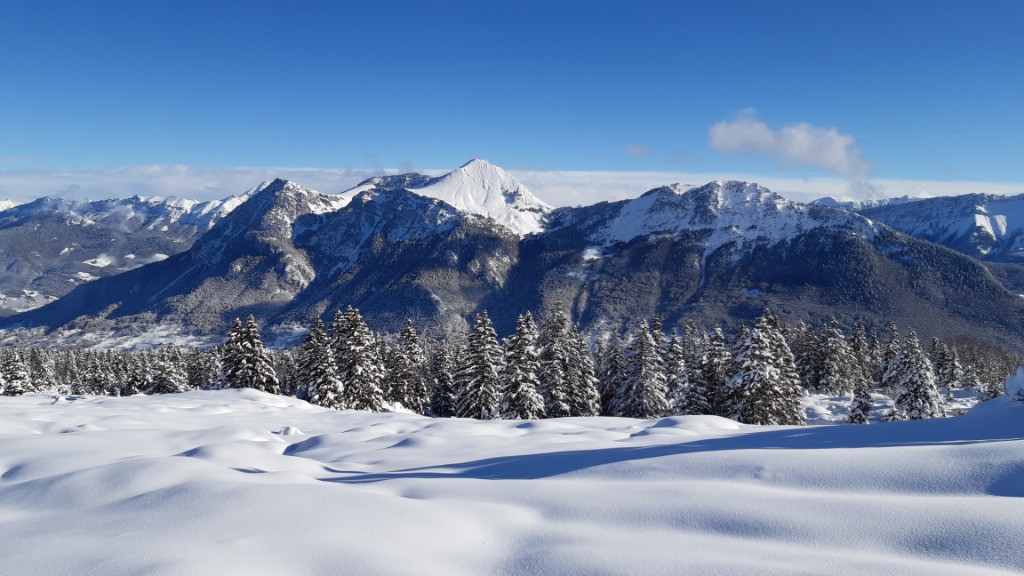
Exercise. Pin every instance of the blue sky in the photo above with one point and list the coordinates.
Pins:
(922, 91)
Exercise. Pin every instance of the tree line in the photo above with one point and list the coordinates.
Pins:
(757, 375)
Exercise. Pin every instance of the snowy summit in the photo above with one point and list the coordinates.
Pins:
(477, 187)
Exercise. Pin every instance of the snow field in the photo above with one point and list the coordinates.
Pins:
(241, 482)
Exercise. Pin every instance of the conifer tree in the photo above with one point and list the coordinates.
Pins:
(716, 368)
(360, 367)
(443, 394)
(169, 377)
(581, 380)
(676, 374)
(614, 374)
(764, 390)
(520, 399)
(643, 393)
(860, 406)
(837, 368)
(42, 369)
(890, 362)
(555, 356)
(408, 372)
(919, 397)
(14, 375)
(477, 381)
(246, 363)
(317, 375)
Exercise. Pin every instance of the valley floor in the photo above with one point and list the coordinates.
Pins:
(239, 482)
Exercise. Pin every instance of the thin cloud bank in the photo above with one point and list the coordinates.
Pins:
(555, 187)
(800, 144)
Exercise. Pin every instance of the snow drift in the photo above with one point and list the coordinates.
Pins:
(240, 482)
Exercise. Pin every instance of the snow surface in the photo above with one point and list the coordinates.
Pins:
(241, 482)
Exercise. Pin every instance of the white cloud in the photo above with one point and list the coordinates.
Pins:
(639, 151)
(800, 144)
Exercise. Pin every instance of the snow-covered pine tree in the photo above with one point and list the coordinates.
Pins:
(763, 390)
(614, 374)
(948, 371)
(360, 367)
(246, 363)
(316, 374)
(477, 380)
(860, 351)
(14, 375)
(919, 397)
(890, 361)
(837, 369)
(644, 393)
(700, 397)
(676, 374)
(555, 355)
(42, 369)
(139, 376)
(169, 377)
(584, 399)
(409, 371)
(519, 398)
(860, 406)
(443, 394)
(716, 369)
(806, 346)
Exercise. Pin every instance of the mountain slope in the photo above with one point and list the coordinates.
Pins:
(708, 254)
(985, 226)
(51, 245)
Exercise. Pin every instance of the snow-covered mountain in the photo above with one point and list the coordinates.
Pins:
(985, 226)
(478, 187)
(857, 205)
(709, 254)
(51, 245)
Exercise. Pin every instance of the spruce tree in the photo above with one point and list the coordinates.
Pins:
(555, 355)
(716, 369)
(520, 399)
(477, 380)
(408, 372)
(919, 397)
(443, 394)
(14, 375)
(860, 406)
(613, 375)
(837, 369)
(169, 376)
(764, 390)
(890, 362)
(581, 380)
(676, 379)
(643, 393)
(246, 363)
(316, 372)
(360, 367)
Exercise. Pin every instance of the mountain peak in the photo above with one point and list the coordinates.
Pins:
(477, 187)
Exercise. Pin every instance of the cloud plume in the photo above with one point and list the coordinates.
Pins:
(800, 144)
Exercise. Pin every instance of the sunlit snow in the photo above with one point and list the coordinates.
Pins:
(241, 482)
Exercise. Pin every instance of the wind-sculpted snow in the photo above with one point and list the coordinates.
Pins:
(240, 482)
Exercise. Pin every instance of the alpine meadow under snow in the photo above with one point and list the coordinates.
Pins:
(243, 482)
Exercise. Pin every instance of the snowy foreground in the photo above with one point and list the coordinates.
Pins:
(240, 482)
